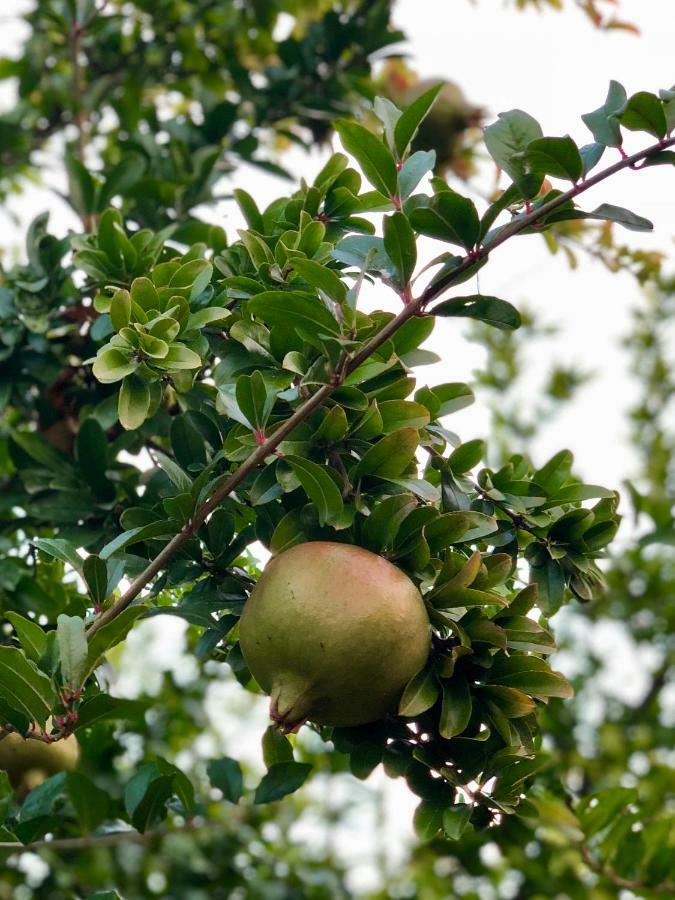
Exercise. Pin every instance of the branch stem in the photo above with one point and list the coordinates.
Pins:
(413, 308)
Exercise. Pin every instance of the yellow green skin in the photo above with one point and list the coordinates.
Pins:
(333, 633)
(29, 762)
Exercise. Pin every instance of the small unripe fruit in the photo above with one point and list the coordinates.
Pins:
(333, 633)
(29, 762)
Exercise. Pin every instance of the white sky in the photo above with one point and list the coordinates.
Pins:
(556, 67)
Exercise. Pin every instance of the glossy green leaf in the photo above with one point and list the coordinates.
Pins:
(450, 218)
(133, 403)
(372, 155)
(32, 637)
(420, 693)
(644, 112)
(389, 457)
(319, 487)
(73, 648)
(491, 310)
(24, 687)
(399, 242)
(281, 779)
(556, 156)
(603, 122)
(412, 117)
(226, 775)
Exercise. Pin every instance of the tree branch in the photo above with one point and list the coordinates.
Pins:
(664, 887)
(413, 308)
(75, 42)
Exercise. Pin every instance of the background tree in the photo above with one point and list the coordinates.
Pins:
(275, 412)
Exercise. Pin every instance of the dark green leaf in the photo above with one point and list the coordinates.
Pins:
(411, 118)
(226, 775)
(399, 242)
(281, 779)
(491, 310)
(371, 154)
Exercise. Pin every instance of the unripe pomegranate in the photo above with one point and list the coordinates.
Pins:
(29, 762)
(333, 633)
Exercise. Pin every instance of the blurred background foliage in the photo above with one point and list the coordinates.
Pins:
(173, 96)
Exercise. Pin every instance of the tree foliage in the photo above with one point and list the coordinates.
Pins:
(274, 410)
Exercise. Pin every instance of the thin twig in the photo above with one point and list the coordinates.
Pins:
(75, 39)
(664, 887)
(413, 308)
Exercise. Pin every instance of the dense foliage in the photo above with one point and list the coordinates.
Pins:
(273, 410)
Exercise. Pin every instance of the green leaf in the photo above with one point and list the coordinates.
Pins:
(443, 399)
(194, 274)
(276, 747)
(603, 122)
(456, 706)
(399, 414)
(60, 549)
(389, 457)
(112, 633)
(512, 703)
(455, 820)
(128, 171)
(420, 693)
(281, 779)
(389, 114)
(644, 112)
(120, 309)
(249, 208)
(95, 574)
(524, 634)
(364, 759)
(596, 811)
(428, 819)
(508, 137)
(321, 277)
(556, 156)
(133, 403)
(204, 317)
(451, 218)
(103, 707)
(82, 187)
(144, 294)
(621, 216)
(226, 775)
(254, 400)
(180, 357)
(158, 529)
(73, 649)
(113, 365)
(319, 487)
(591, 155)
(529, 674)
(572, 493)
(180, 478)
(146, 794)
(24, 687)
(548, 578)
(491, 310)
(412, 117)
(286, 307)
(466, 456)
(376, 161)
(399, 242)
(89, 802)
(33, 638)
(413, 170)
(91, 452)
